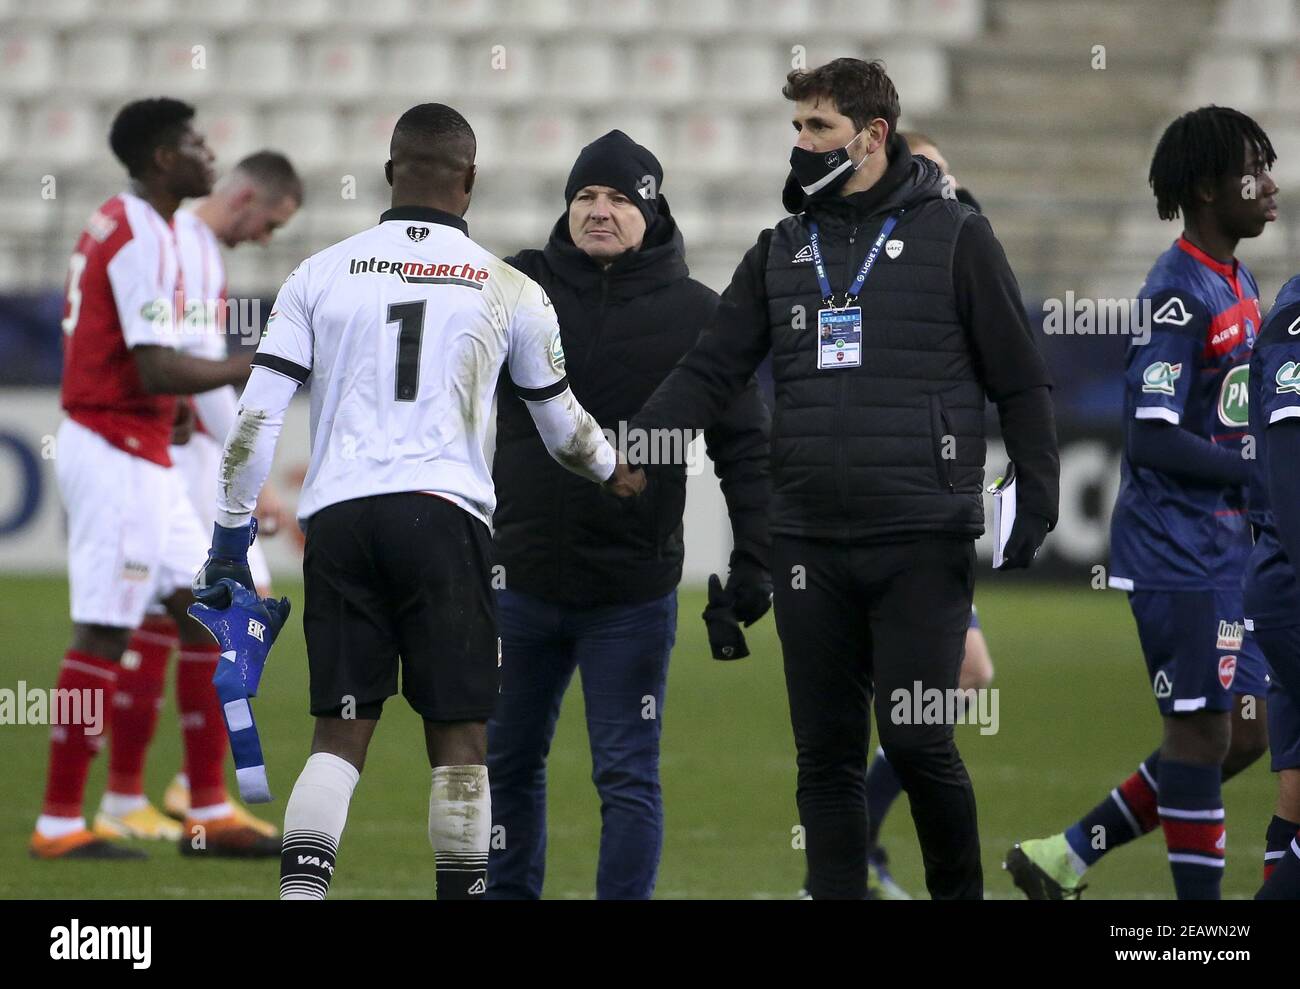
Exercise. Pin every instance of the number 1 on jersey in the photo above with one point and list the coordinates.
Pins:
(409, 317)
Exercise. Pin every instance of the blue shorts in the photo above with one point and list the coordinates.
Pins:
(1282, 649)
(1198, 653)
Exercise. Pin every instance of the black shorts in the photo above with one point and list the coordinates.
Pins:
(400, 577)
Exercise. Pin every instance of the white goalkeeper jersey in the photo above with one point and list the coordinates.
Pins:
(400, 333)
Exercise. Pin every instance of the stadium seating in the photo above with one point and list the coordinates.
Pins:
(696, 80)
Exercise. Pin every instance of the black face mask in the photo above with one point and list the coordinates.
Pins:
(823, 173)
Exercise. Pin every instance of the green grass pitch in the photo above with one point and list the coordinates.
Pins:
(1076, 716)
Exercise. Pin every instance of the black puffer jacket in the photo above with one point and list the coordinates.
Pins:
(892, 449)
(623, 328)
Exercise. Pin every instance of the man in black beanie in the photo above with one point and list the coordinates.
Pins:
(591, 584)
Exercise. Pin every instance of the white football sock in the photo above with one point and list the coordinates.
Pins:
(121, 804)
(48, 826)
(460, 828)
(313, 824)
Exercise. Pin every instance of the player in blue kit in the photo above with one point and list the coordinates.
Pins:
(1272, 592)
(1179, 533)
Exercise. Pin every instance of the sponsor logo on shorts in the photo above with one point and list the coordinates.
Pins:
(1227, 670)
(1164, 687)
(1231, 635)
(135, 570)
(479, 887)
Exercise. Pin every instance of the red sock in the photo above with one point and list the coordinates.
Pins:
(140, 684)
(202, 727)
(72, 746)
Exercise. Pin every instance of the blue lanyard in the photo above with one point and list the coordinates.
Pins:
(855, 289)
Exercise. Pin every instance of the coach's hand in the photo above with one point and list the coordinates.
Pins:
(228, 557)
(1027, 535)
(750, 588)
(625, 482)
(726, 640)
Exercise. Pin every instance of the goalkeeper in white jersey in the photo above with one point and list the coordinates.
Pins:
(400, 332)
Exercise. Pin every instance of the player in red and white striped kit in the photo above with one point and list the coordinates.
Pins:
(261, 193)
(133, 535)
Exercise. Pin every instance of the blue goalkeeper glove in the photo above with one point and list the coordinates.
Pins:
(245, 629)
(228, 558)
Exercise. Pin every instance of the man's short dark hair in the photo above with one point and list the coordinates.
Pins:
(273, 174)
(142, 127)
(860, 90)
(1200, 148)
(433, 137)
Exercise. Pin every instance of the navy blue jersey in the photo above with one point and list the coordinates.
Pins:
(1272, 594)
(1171, 533)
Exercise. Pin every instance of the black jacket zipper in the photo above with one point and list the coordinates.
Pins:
(841, 466)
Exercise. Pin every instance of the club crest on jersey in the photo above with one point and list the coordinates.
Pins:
(1164, 687)
(1288, 378)
(557, 352)
(1227, 670)
(893, 248)
(1159, 377)
(1234, 397)
(417, 234)
(1231, 635)
(1172, 313)
(804, 254)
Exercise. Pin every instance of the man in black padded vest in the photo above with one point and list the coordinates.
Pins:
(890, 313)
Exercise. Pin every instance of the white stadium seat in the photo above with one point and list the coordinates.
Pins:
(300, 15)
(63, 135)
(703, 16)
(59, 13)
(921, 73)
(1229, 78)
(584, 70)
(871, 18)
(779, 16)
(340, 67)
(183, 65)
(1286, 81)
(375, 15)
(708, 141)
(949, 19)
(308, 134)
(27, 62)
(10, 133)
(503, 68)
(643, 126)
(619, 16)
(226, 14)
(232, 132)
(745, 72)
(420, 69)
(1260, 22)
(465, 15)
(136, 12)
(664, 72)
(544, 141)
(544, 16)
(102, 63)
(259, 65)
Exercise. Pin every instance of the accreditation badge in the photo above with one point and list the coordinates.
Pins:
(839, 338)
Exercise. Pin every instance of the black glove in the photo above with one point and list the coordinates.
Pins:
(750, 588)
(228, 557)
(1027, 535)
(725, 638)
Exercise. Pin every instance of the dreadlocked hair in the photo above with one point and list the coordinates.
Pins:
(1199, 149)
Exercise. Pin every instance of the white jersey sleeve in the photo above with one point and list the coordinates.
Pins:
(286, 345)
(250, 447)
(142, 275)
(571, 434)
